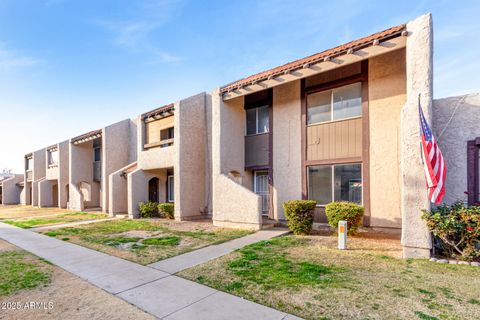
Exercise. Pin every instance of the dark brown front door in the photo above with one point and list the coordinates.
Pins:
(153, 190)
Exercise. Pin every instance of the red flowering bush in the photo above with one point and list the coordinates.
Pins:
(458, 228)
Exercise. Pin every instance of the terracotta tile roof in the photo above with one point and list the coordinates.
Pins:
(158, 111)
(53, 147)
(330, 53)
(87, 135)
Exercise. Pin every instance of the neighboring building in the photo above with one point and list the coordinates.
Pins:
(35, 171)
(94, 156)
(341, 124)
(11, 186)
(173, 162)
(457, 130)
(54, 189)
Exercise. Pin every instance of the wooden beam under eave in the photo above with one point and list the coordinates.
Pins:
(322, 66)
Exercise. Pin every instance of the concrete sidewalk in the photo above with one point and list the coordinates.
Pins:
(157, 292)
(191, 259)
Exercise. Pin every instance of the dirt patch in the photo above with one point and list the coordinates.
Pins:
(69, 297)
(19, 211)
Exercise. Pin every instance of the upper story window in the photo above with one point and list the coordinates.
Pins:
(97, 154)
(335, 104)
(53, 157)
(257, 120)
(29, 164)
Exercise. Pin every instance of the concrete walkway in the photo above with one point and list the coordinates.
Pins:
(157, 292)
(191, 259)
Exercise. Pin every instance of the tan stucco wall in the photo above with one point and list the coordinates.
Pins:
(419, 62)
(56, 175)
(38, 173)
(287, 147)
(45, 193)
(387, 96)
(80, 170)
(10, 190)
(190, 157)
(118, 192)
(154, 158)
(116, 151)
(456, 121)
(137, 188)
(233, 204)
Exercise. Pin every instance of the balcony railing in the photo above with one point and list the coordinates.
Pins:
(161, 144)
(97, 171)
(29, 175)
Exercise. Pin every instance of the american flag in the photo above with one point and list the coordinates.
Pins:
(433, 162)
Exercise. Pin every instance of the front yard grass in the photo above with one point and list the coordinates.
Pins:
(20, 270)
(148, 240)
(309, 277)
(57, 219)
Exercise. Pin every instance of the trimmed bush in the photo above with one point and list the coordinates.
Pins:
(299, 214)
(344, 210)
(148, 209)
(166, 210)
(458, 228)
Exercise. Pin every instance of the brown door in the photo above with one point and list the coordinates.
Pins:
(153, 190)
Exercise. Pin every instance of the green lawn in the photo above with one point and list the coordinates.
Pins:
(19, 270)
(57, 219)
(146, 241)
(309, 277)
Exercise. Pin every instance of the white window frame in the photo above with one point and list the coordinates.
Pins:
(331, 105)
(332, 167)
(170, 192)
(256, 121)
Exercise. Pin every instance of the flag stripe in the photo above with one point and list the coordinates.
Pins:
(433, 162)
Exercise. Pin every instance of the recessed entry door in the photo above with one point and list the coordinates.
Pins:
(261, 187)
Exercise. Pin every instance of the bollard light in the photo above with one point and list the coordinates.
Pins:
(342, 234)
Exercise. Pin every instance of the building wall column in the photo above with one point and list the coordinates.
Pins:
(287, 160)
(416, 240)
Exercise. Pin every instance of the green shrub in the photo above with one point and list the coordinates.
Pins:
(344, 210)
(458, 228)
(299, 214)
(166, 210)
(148, 209)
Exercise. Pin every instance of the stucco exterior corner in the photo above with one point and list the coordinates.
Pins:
(419, 67)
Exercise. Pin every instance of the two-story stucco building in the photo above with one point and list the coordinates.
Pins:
(34, 174)
(173, 163)
(93, 157)
(54, 189)
(11, 187)
(341, 124)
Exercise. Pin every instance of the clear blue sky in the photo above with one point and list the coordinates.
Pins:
(67, 67)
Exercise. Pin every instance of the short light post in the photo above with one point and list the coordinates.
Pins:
(342, 234)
